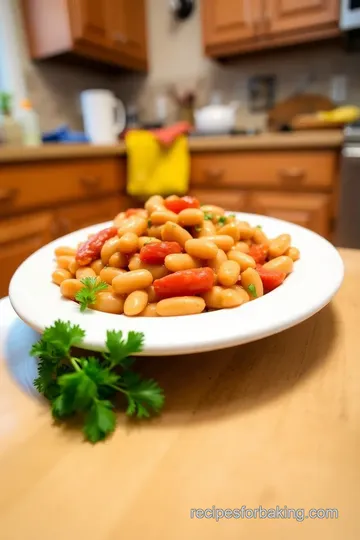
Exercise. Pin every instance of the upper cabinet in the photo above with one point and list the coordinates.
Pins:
(237, 26)
(110, 31)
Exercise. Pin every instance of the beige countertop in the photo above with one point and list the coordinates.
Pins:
(274, 422)
(267, 141)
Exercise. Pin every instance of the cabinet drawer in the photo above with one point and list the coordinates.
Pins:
(269, 170)
(230, 200)
(30, 185)
(77, 216)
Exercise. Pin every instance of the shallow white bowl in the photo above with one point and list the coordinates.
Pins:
(316, 278)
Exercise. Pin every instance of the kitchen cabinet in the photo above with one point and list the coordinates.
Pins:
(19, 238)
(308, 210)
(109, 31)
(237, 26)
(230, 20)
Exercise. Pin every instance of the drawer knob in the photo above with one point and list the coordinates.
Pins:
(295, 173)
(214, 174)
(7, 194)
(90, 182)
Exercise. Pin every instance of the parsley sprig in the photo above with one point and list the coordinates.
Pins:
(252, 290)
(84, 386)
(87, 295)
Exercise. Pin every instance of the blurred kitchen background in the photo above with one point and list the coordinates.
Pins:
(270, 87)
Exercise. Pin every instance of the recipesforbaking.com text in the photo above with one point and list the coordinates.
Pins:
(277, 512)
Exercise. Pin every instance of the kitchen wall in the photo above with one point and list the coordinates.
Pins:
(176, 57)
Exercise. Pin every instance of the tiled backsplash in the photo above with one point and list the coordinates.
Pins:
(176, 57)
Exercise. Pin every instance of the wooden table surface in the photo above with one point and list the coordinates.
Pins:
(276, 422)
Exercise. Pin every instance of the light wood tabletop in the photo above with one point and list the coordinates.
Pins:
(271, 423)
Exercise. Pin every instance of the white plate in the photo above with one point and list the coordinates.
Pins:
(316, 278)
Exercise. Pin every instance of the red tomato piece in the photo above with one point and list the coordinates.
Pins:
(185, 283)
(155, 252)
(271, 279)
(182, 204)
(259, 253)
(131, 212)
(90, 250)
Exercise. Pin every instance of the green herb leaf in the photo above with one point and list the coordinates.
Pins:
(222, 220)
(208, 216)
(143, 395)
(232, 215)
(100, 420)
(252, 290)
(119, 349)
(259, 226)
(149, 223)
(87, 295)
(197, 228)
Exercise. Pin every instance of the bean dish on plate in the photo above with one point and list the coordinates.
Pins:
(173, 257)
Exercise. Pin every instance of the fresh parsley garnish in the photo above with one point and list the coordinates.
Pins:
(259, 226)
(87, 295)
(208, 216)
(85, 386)
(232, 215)
(222, 220)
(149, 223)
(252, 290)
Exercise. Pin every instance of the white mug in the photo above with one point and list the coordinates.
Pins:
(104, 116)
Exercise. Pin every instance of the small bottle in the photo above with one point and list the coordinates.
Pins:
(10, 129)
(29, 120)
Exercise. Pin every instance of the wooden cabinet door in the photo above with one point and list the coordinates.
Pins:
(127, 28)
(80, 215)
(308, 210)
(229, 20)
(290, 15)
(230, 200)
(19, 238)
(90, 21)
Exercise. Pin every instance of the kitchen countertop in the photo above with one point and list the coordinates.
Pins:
(274, 422)
(267, 141)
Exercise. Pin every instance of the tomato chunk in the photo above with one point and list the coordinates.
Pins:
(185, 283)
(259, 253)
(90, 250)
(270, 278)
(181, 204)
(155, 252)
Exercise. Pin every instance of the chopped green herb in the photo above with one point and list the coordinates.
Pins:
(149, 223)
(197, 228)
(259, 226)
(87, 295)
(252, 290)
(208, 216)
(222, 220)
(84, 386)
(232, 215)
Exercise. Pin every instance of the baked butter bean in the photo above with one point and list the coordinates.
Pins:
(63, 250)
(84, 272)
(149, 311)
(213, 298)
(97, 266)
(293, 253)
(159, 217)
(213, 209)
(172, 232)
(118, 260)
(69, 288)
(156, 270)
(222, 241)
(217, 261)
(110, 247)
(232, 298)
(279, 245)
(243, 259)
(109, 303)
(155, 202)
(108, 273)
(132, 281)
(191, 217)
(135, 224)
(143, 240)
(282, 264)
(241, 246)
(251, 281)
(60, 274)
(207, 229)
(64, 261)
(128, 243)
(181, 305)
(228, 273)
(135, 303)
(230, 229)
(73, 266)
(201, 248)
(181, 261)
(155, 231)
